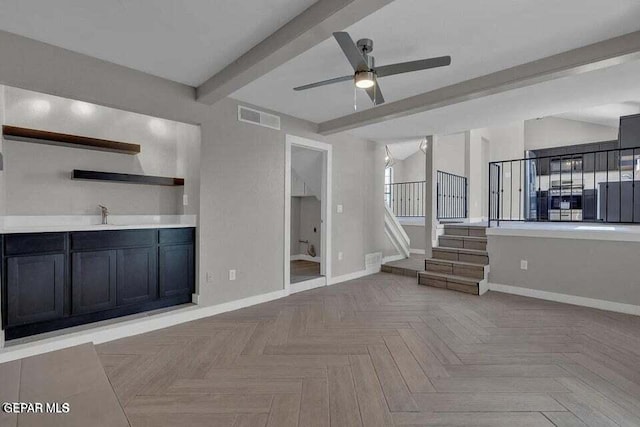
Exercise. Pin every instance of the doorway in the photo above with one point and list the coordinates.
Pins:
(307, 260)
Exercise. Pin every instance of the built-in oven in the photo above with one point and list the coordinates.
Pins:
(565, 200)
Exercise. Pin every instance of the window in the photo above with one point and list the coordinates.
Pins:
(388, 181)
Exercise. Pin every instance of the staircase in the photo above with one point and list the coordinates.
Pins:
(460, 261)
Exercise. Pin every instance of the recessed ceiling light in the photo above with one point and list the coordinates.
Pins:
(82, 108)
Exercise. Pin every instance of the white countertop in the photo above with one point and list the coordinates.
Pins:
(63, 223)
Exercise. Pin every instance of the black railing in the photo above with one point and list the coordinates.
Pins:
(591, 186)
(405, 198)
(451, 196)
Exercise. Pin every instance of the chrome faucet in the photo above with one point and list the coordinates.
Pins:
(105, 213)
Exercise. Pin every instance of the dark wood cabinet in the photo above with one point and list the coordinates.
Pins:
(137, 278)
(620, 201)
(176, 270)
(589, 205)
(93, 281)
(34, 288)
(56, 280)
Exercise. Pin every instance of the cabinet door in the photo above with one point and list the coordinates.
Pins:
(137, 279)
(93, 281)
(35, 288)
(176, 270)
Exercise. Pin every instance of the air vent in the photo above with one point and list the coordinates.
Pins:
(260, 118)
(373, 260)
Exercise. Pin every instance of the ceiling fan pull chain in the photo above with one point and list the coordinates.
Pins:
(355, 99)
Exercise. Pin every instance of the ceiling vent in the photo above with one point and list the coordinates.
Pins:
(260, 118)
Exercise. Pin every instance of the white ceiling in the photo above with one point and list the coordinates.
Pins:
(611, 85)
(481, 36)
(605, 115)
(402, 149)
(183, 40)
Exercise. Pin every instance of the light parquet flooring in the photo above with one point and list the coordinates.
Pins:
(383, 351)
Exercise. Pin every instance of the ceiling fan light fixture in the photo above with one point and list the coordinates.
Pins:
(365, 79)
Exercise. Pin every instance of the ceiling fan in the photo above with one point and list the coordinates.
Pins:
(365, 71)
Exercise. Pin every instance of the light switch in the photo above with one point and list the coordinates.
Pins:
(339, 256)
(524, 264)
(185, 200)
(339, 208)
(232, 275)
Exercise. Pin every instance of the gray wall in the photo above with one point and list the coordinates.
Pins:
(242, 167)
(38, 176)
(417, 236)
(605, 270)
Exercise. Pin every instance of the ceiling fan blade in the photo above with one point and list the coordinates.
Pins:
(324, 83)
(407, 67)
(351, 51)
(375, 94)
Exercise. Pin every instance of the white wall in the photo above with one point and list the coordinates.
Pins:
(556, 132)
(37, 177)
(294, 246)
(305, 224)
(504, 143)
(449, 153)
(410, 169)
(310, 222)
(242, 168)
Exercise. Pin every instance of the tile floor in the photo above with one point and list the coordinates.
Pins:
(377, 351)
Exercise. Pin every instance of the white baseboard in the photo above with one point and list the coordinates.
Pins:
(354, 275)
(128, 328)
(393, 258)
(416, 251)
(617, 307)
(305, 257)
(132, 327)
(307, 285)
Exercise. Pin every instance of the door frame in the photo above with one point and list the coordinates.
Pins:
(326, 210)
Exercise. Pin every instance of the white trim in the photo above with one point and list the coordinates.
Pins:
(617, 307)
(417, 251)
(305, 257)
(354, 275)
(326, 203)
(392, 258)
(132, 327)
(308, 285)
(579, 231)
(417, 221)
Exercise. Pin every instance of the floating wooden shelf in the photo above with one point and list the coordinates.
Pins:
(127, 178)
(53, 138)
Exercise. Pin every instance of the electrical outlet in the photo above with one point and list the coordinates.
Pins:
(524, 264)
(339, 256)
(339, 209)
(209, 277)
(232, 275)
(185, 200)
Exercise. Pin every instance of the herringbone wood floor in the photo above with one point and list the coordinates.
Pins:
(383, 351)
